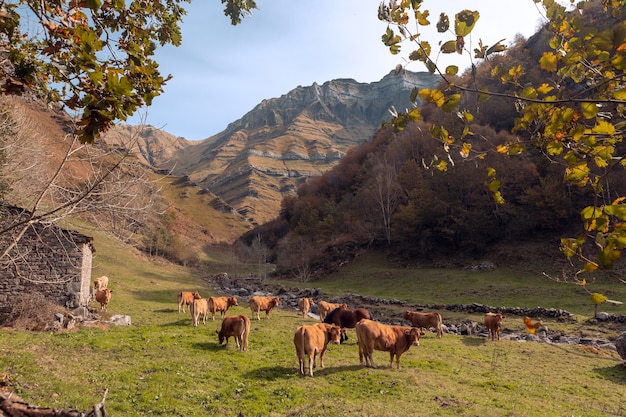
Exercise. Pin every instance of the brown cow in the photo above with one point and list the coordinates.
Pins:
(259, 303)
(396, 340)
(493, 321)
(313, 339)
(237, 326)
(100, 283)
(325, 307)
(425, 320)
(185, 298)
(304, 305)
(104, 298)
(221, 304)
(199, 307)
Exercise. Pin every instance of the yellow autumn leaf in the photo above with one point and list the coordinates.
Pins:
(548, 62)
(598, 298)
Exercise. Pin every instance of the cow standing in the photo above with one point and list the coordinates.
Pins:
(185, 298)
(304, 305)
(493, 322)
(100, 283)
(104, 298)
(221, 304)
(396, 340)
(237, 326)
(199, 307)
(259, 303)
(346, 318)
(310, 340)
(425, 320)
(324, 307)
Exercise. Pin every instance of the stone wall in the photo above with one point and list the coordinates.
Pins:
(48, 260)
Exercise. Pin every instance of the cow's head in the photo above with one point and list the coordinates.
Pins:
(232, 301)
(407, 315)
(335, 333)
(413, 336)
(196, 295)
(274, 301)
(220, 336)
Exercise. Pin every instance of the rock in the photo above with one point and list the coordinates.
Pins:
(620, 346)
(119, 320)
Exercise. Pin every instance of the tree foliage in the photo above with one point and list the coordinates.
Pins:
(573, 112)
(93, 57)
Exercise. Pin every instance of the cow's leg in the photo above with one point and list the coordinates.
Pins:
(301, 360)
(311, 362)
(322, 357)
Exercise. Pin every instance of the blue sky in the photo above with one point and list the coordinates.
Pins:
(221, 71)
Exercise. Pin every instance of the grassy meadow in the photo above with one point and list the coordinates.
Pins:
(161, 365)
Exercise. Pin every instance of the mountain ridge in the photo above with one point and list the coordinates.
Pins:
(267, 153)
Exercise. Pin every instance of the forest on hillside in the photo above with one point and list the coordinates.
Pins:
(391, 194)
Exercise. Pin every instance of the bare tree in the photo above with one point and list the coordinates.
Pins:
(386, 192)
(58, 180)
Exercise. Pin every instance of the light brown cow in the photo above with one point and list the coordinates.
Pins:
(237, 326)
(396, 340)
(259, 303)
(104, 298)
(304, 305)
(325, 307)
(199, 307)
(493, 321)
(425, 320)
(313, 339)
(100, 283)
(221, 304)
(185, 298)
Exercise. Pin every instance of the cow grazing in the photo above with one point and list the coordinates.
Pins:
(346, 318)
(104, 298)
(199, 307)
(425, 320)
(259, 303)
(185, 298)
(237, 326)
(304, 305)
(313, 339)
(493, 321)
(100, 283)
(221, 304)
(396, 340)
(325, 307)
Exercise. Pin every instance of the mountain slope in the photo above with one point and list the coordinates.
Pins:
(271, 150)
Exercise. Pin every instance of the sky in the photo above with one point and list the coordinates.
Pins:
(221, 72)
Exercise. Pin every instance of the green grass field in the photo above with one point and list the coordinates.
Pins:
(161, 365)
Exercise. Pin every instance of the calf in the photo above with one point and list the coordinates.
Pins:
(310, 340)
(396, 340)
(425, 320)
(104, 298)
(199, 307)
(259, 303)
(100, 283)
(221, 304)
(185, 298)
(304, 305)
(493, 321)
(237, 326)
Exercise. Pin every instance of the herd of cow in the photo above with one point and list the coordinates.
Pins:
(311, 340)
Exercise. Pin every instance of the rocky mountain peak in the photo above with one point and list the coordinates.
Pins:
(273, 148)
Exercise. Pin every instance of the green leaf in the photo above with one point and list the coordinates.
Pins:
(448, 47)
(590, 110)
(464, 22)
(452, 70)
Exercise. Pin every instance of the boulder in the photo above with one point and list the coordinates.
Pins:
(620, 346)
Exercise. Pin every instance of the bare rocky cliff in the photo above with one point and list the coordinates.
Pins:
(272, 149)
